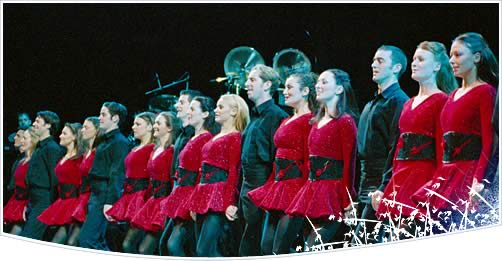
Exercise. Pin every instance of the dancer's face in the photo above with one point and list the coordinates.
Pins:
(195, 115)
(424, 66)
(40, 126)
(224, 111)
(67, 137)
(382, 67)
(141, 128)
(106, 120)
(88, 130)
(26, 142)
(462, 60)
(326, 87)
(256, 87)
(182, 107)
(294, 93)
(160, 128)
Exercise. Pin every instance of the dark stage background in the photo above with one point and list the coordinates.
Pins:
(70, 58)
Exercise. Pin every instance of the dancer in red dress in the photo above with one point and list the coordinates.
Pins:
(165, 130)
(418, 151)
(467, 136)
(329, 191)
(67, 172)
(89, 133)
(291, 163)
(175, 207)
(215, 196)
(137, 179)
(14, 211)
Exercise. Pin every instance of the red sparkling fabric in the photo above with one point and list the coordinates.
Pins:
(13, 210)
(409, 175)
(469, 114)
(60, 212)
(291, 141)
(224, 153)
(128, 205)
(324, 198)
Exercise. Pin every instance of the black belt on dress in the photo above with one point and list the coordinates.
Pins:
(325, 168)
(212, 174)
(161, 188)
(459, 146)
(185, 177)
(20, 193)
(132, 185)
(286, 169)
(67, 190)
(416, 147)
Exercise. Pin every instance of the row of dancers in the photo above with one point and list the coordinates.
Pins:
(219, 179)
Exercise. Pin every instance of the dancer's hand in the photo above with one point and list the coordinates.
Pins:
(193, 215)
(231, 212)
(376, 197)
(349, 214)
(24, 213)
(476, 189)
(106, 207)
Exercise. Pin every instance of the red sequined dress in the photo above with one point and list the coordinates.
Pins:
(135, 186)
(161, 184)
(217, 188)
(69, 180)
(187, 176)
(332, 150)
(290, 166)
(80, 212)
(418, 154)
(13, 211)
(467, 147)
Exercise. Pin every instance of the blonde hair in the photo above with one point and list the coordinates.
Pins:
(241, 119)
(35, 138)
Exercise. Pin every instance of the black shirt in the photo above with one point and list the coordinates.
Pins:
(41, 174)
(258, 150)
(108, 163)
(183, 138)
(378, 130)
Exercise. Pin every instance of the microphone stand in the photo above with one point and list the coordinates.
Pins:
(168, 85)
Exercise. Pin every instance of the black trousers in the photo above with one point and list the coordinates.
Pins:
(93, 232)
(40, 199)
(182, 239)
(365, 230)
(253, 217)
(371, 175)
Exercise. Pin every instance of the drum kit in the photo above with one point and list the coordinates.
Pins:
(237, 65)
(240, 60)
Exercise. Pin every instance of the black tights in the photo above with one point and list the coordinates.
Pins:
(139, 241)
(326, 231)
(411, 230)
(16, 229)
(132, 240)
(166, 233)
(61, 235)
(75, 231)
(181, 241)
(279, 233)
(209, 229)
(149, 244)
